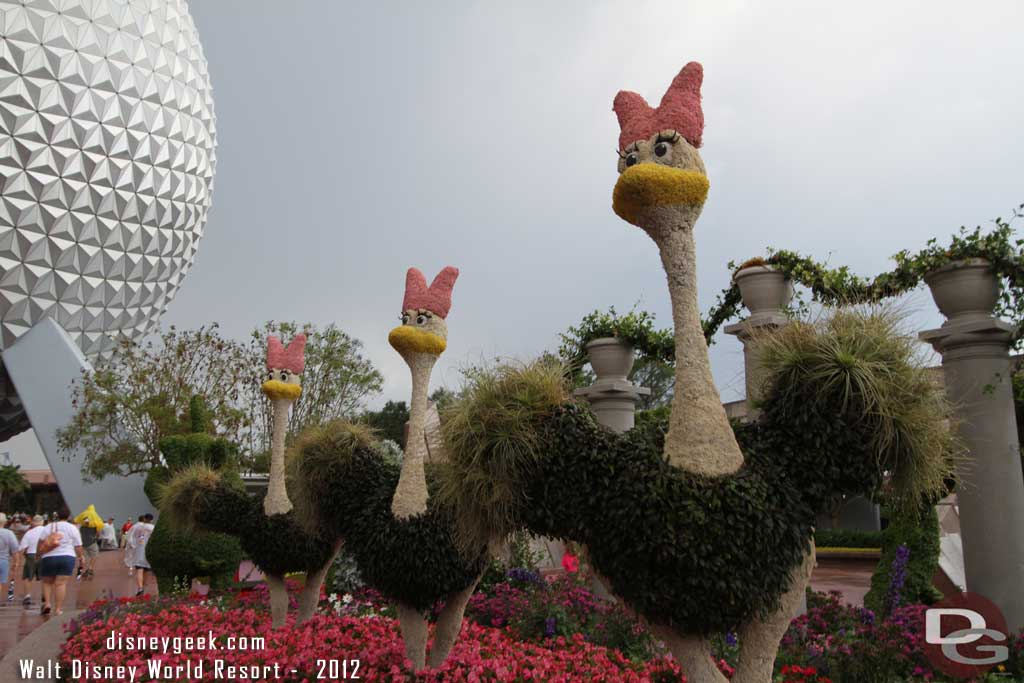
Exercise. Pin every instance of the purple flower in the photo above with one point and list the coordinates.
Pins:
(897, 578)
(730, 639)
(549, 627)
(524, 575)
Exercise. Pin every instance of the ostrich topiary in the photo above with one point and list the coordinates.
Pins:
(697, 527)
(200, 497)
(401, 540)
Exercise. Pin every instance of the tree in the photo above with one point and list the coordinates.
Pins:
(141, 395)
(389, 421)
(130, 402)
(12, 482)
(659, 377)
(443, 397)
(335, 383)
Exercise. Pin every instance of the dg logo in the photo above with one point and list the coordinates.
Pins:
(965, 635)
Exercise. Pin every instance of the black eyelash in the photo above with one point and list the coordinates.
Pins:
(621, 153)
(668, 136)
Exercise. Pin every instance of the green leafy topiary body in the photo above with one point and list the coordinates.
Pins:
(217, 502)
(347, 490)
(700, 554)
(696, 553)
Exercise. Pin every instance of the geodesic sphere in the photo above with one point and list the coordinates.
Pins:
(106, 168)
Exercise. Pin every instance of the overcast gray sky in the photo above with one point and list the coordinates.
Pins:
(358, 139)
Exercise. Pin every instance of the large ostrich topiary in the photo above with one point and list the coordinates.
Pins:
(698, 531)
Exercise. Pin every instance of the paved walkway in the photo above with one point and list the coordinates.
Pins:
(852, 578)
(17, 621)
(40, 647)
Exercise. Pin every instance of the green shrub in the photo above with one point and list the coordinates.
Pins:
(847, 538)
(919, 531)
(178, 558)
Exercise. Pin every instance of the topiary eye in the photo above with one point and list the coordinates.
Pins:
(661, 149)
(284, 376)
(420, 320)
(405, 318)
(632, 159)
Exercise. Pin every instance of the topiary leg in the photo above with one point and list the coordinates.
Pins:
(414, 634)
(694, 656)
(692, 652)
(310, 596)
(759, 639)
(449, 624)
(278, 600)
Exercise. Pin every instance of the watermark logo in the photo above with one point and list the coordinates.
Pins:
(965, 635)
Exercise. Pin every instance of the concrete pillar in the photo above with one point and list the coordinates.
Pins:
(612, 396)
(746, 331)
(765, 293)
(613, 399)
(976, 366)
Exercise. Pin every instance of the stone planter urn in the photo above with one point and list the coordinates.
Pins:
(612, 396)
(765, 290)
(610, 358)
(964, 291)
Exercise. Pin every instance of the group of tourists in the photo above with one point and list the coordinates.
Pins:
(53, 550)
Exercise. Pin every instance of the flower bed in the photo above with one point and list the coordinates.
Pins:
(532, 629)
(851, 644)
(482, 654)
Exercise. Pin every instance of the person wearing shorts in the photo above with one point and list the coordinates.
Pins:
(57, 565)
(91, 548)
(138, 537)
(30, 567)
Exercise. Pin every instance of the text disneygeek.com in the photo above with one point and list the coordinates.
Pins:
(218, 669)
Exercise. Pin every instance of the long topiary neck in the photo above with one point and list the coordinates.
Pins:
(699, 438)
(276, 501)
(410, 497)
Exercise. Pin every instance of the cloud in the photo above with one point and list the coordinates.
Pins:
(358, 141)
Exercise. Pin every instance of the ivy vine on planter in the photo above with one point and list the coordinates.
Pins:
(635, 329)
(828, 286)
(840, 286)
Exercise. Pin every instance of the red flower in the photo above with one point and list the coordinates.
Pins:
(570, 563)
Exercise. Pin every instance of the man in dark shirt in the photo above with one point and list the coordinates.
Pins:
(91, 549)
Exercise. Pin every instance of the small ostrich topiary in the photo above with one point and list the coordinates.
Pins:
(200, 497)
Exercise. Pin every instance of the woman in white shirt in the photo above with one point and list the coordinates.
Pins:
(57, 565)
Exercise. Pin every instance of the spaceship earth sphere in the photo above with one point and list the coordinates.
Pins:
(107, 143)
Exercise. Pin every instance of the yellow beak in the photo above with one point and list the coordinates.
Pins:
(275, 389)
(406, 339)
(645, 185)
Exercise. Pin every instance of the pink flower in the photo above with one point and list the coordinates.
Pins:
(570, 563)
